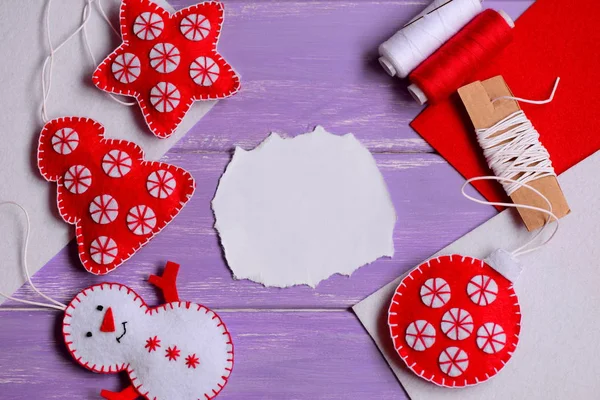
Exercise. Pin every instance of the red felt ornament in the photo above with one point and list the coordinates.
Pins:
(117, 200)
(455, 320)
(168, 61)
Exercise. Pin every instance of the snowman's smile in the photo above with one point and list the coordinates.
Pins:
(124, 332)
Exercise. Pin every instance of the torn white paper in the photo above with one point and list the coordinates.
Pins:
(296, 211)
(24, 47)
(557, 356)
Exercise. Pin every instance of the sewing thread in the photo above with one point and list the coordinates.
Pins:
(451, 66)
(424, 34)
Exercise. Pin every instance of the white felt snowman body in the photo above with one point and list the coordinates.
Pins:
(177, 351)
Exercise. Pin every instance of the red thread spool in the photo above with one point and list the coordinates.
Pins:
(451, 66)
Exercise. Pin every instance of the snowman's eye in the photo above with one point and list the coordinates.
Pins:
(89, 334)
(99, 308)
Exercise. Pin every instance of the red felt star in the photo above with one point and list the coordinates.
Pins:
(173, 353)
(192, 361)
(152, 344)
(167, 61)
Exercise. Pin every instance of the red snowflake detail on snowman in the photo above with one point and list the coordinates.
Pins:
(172, 353)
(152, 344)
(168, 61)
(103, 190)
(192, 361)
(478, 336)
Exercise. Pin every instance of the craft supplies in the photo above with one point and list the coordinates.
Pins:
(537, 55)
(168, 61)
(512, 148)
(424, 34)
(296, 211)
(453, 64)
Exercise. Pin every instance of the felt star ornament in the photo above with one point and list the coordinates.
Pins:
(117, 200)
(168, 61)
(177, 351)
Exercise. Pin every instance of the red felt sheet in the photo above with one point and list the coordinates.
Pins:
(552, 38)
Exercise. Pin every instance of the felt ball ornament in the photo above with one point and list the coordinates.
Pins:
(117, 200)
(168, 61)
(455, 320)
(177, 351)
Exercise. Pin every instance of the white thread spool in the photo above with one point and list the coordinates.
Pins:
(424, 34)
(418, 94)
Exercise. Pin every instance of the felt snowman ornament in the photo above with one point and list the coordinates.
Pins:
(116, 199)
(168, 61)
(178, 351)
(455, 320)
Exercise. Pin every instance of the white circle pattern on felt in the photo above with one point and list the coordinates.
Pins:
(453, 361)
(204, 71)
(65, 140)
(195, 27)
(148, 26)
(126, 67)
(104, 209)
(164, 57)
(491, 338)
(141, 220)
(161, 184)
(482, 290)
(435, 292)
(116, 163)
(457, 324)
(103, 250)
(164, 97)
(77, 179)
(420, 335)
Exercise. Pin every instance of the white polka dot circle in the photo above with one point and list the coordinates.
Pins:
(103, 250)
(148, 26)
(482, 290)
(453, 361)
(420, 335)
(195, 27)
(141, 220)
(164, 97)
(104, 209)
(204, 71)
(77, 179)
(116, 163)
(126, 67)
(457, 324)
(164, 57)
(161, 184)
(435, 292)
(491, 338)
(65, 140)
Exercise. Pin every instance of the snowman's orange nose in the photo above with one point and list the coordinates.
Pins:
(108, 323)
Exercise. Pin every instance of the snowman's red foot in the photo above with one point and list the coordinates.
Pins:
(167, 282)
(128, 394)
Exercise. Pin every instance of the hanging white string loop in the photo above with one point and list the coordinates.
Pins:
(548, 212)
(56, 304)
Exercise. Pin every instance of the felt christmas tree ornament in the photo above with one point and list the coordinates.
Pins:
(178, 351)
(117, 200)
(168, 61)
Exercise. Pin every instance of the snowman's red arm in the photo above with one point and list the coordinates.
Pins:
(127, 394)
(167, 282)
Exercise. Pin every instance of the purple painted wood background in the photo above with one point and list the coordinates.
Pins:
(302, 64)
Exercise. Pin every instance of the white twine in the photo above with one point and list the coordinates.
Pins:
(513, 150)
(424, 34)
(57, 305)
(49, 61)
